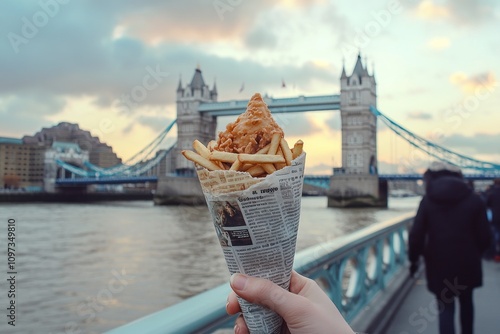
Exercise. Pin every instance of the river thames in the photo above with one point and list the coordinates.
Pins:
(88, 268)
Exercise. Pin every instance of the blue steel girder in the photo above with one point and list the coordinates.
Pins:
(105, 180)
(279, 105)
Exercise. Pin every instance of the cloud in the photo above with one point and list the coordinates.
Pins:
(471, 84)
(202, 21)
(419, 115)
(25, 113)
(459, 12)
(427, 9)
(439, 43)
(302, 3)
(480, 143)
(261, 38)
(334, 123)
(296, 124)
(155, 123)
(321, 168)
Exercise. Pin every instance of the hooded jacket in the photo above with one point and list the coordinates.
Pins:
(451, 231)
(493, 202)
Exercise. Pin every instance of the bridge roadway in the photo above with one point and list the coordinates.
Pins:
(417, 313)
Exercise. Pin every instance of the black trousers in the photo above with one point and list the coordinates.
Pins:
(447, 313)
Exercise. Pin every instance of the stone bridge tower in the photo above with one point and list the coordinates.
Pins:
(357, 182)
(359, 126)
(191, 124)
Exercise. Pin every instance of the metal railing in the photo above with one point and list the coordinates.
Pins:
(351, 269)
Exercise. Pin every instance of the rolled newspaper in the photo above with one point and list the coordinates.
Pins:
(257, 228)
(256, 218)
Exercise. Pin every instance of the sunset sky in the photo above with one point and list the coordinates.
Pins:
(435, 61)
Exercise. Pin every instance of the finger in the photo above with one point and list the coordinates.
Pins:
(264, 292)
(232, 306)
(298, 282)
(240, 326)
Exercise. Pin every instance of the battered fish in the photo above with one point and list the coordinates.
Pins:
(251, 131)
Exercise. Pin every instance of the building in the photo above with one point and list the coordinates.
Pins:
(23, 161)
(21, 166)
(359, 125)
(100, 154)
(191, 124)
(356, 183)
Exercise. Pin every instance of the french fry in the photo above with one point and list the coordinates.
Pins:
(269, 168)
(198, 159)
(275, 142)
(274, 156)
(280, 165)
(256, 170)
(236, 165)
(201, 149)
(260, 158)
(211, 145)
(220, 164)
(223, 156)
(297, 148)
(286, 152)
(264, 150)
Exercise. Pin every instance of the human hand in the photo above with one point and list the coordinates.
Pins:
(413, 269)
(306, 309)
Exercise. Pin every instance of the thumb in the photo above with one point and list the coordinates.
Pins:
(264, 292)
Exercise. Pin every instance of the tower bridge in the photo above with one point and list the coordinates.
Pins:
(357, 182)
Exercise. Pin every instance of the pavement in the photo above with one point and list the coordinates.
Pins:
(418, 313)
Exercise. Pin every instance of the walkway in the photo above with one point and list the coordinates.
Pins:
(418, 315)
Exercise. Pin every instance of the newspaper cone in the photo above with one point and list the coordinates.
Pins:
(256, 221)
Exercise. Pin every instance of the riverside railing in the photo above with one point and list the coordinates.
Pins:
(351, 269)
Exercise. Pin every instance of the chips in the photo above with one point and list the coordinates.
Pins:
(276, 155)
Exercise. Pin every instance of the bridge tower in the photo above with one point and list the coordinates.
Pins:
(357, 183)
(191, 124)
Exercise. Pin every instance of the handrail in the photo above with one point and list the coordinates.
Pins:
(373, 254)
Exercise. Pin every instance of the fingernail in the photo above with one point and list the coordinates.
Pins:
(236, 329)
(238, 281)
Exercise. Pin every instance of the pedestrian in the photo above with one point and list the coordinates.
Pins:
(451, 232)
(493, 203)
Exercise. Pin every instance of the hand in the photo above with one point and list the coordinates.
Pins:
(413, 269)
(305, 308)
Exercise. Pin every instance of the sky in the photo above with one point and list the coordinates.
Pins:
(435, 62)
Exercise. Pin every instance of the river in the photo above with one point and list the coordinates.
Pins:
(87, 268)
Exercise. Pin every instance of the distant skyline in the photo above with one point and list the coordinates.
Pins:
(113, 67)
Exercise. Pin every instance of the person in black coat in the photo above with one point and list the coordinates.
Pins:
(451, 232)
(493, 203)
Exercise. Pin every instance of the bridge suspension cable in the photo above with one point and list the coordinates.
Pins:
(435, 150)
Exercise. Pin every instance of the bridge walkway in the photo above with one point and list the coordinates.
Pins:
(417, 313)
